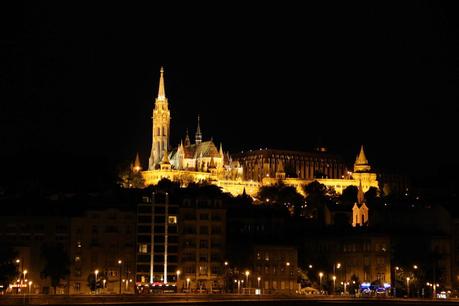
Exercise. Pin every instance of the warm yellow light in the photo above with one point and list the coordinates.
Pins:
(415, 267)
(408, 279)
(226, 263)
(397, 268)
(18, 260)
(334, 277)
(30, 283)
(178, 272)
(247, 273)
(287, 263)
(258, 278)
(338, 265)
(120, 261)
(25, 272)
(321, 274)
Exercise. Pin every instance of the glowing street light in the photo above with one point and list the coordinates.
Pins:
(95, 280)
(408, 286)
(334, 283)
(247, 272)
(258, 279)
(188, 284)
(178, 275)
(30, 284)
(120, 264)
(320, 280)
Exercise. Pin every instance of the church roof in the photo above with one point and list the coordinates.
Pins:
(206, 148)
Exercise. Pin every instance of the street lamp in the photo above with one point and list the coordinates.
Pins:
(320, 281)
(258, 279)
(188, 284)
(334, 283)
(247, 278)
(178, 275)
(30, 284)
(408, 286)
(95, 279)
(120, 262)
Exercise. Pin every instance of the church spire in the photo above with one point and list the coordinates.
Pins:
(161, 90)
(187, 139)
(137, 166)
(361, 162)
(198, 135)
(161, 126)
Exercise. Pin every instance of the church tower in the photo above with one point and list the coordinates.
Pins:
(161, 126)
(198, 135)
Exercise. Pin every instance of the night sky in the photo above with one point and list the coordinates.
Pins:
(79, 83)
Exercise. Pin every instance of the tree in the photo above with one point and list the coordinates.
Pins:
(316, 199)
(282, 195)
(8, 267)
(56, 264)
(349, 195)
(128, 177)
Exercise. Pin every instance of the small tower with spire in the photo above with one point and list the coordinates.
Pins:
(165, 163)
(137, 167)
(198, 135)
(361, 163)
(187, 139)
(360, 209)
(161, 125)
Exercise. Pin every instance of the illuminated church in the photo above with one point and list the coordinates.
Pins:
(199, 160)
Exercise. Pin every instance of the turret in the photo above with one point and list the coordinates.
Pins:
(137, 167)
(361, 162)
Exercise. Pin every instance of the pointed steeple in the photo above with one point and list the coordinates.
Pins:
(361, 162)
(361, 159)
(221, 151)
(165, 158)
(187, 139)
(137, 166)
(198, 135)
(161, 90)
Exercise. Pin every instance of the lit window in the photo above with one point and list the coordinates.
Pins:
(143, 248)
(172, 219)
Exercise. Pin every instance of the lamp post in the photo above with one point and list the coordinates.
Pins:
(30, 284)
(408, 286)
(320, 281)
(247, 278)
(95, 279)
(188, 284)
(334, 284)
(177, 279)
(258, 280)
(120, 262)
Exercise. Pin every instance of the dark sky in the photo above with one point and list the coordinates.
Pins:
(81, 79)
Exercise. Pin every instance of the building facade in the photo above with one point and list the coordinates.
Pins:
(202, 244)
(102, 252)
(202, 161)
(157, 241)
